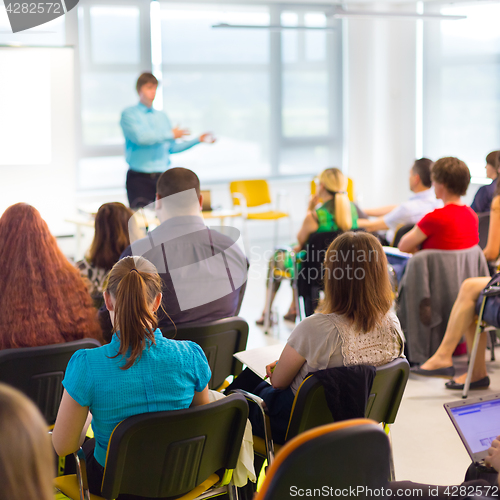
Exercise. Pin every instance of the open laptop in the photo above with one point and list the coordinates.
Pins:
(477, 421)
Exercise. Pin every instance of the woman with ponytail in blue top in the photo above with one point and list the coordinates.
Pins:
(139, 371)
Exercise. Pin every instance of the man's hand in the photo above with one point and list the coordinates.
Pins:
(179, 133)
(207, 137)
(493, 458)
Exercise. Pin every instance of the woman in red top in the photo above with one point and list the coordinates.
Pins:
(453, 227)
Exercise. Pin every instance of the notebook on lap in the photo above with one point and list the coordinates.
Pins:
(477, 421)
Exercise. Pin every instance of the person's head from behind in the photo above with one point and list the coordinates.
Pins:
(46, 294)
(451, 177)
(26, 454)
(146, 87)
(420, 175)
(178, 193)
(333, 182)
(111, 235)
(132, 294)
(357, 280)
(492, 164)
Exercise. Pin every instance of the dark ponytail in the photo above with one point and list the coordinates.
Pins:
(134, 283)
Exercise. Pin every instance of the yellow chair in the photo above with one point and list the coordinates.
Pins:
(251, 194)
(350, 188)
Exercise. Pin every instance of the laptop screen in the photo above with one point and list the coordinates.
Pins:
(479, 423)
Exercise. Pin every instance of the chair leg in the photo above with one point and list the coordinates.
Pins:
(232, 491)
(392, 472)
(270, 285)
(276, 229)
(479, 330)
(493, 339)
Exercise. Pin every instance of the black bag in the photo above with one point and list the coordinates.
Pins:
(491, 313)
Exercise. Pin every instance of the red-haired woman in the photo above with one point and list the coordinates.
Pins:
(111, 237)
(43, 299)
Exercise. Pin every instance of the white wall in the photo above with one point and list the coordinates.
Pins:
(50, 187)
(381, 62)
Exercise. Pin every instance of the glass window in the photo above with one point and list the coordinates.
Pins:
(114, 35)
(462, 90)
(104, 97)
(315, 43)
(305, 103)
(188, 36)
(478, 34)
(289, 38)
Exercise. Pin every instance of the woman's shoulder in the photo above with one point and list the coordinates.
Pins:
(318, 323)
(180, 347)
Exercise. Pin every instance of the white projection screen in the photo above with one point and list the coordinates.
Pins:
(37, 128)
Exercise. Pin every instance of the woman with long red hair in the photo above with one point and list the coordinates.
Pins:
(43, 299)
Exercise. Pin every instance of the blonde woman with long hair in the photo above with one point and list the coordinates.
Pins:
(26, 456)
(336, 213)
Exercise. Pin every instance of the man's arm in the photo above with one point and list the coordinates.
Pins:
(373, 225)
(135, 130)
(178, 147)
(379, 212)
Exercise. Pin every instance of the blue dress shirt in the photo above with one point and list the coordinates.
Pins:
(149, 140)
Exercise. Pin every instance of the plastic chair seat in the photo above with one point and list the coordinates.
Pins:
(68, 485)
(269, 215)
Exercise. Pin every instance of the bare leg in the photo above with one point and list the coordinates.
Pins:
(461, 322)
(479, 370)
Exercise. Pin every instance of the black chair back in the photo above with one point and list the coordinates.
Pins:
(39, 371)
(167, 454)
(219, 340)
(387, 391)
(311, 410)
(484, 227)
(401, 231)
(310, 276)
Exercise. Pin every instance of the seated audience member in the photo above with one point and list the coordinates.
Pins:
(44, 299)
(453, 227)
(354, 325)
(335, 213)
(26, 455)
(203, 270)
(111, 237)
(463, 320)
(133, 294)
(424, 200)
(485, 194)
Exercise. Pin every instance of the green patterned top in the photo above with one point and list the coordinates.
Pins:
(326, 217)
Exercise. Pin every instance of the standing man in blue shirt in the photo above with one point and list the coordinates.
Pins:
(149, 142)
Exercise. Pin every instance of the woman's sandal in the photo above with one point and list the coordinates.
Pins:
(290, 317)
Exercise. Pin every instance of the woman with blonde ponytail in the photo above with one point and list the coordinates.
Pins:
(139, 371)
(336, 213)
